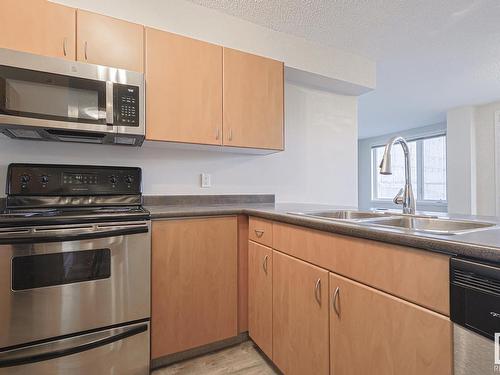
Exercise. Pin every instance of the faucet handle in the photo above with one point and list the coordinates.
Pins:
(398, 199)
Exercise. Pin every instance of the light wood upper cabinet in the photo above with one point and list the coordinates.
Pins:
(260, 296)
(39, 27)
(183, 89)
(109, 41)
(300, 317)
(194, 283)
(253, 101)
(373, 332)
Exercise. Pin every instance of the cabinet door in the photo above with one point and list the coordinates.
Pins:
(194, 283)
(253, 101)
(184, 89)
(38, 26)
(260, 296)
(300, 316)
(109, 41)
(373, 332)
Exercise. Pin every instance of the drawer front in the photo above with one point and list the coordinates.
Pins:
(412, 274)
(261, 231)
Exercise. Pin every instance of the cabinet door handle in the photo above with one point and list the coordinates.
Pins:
(85, 51)
(65, 51)
(230, 134)
(217, 134)
(259, 233)
(335, 299)
(264, 263)
(317, 291)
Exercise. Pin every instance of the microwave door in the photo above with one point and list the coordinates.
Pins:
(49, 100)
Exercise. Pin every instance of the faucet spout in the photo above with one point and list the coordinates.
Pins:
(404, 197)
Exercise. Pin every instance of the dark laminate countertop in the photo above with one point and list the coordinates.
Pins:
(481, 245)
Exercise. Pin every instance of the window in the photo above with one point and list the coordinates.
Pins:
(428, 171)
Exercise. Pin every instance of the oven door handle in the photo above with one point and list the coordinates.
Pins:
(68, 346)
(104, 230)
(72, 232)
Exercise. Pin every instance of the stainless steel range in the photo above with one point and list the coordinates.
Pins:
(74, 271)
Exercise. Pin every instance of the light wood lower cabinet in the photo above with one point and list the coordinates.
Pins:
(38, 26)
(260, 296)
(373, 332)
(300, 317)
(418, 276)
(194, 283)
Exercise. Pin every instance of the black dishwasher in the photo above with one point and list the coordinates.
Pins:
(475, 312)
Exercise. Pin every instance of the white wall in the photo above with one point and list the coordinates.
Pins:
(319, 164)
(365, 146)
(485, 158)
(186, 18)
(461, 161)
(472, 153)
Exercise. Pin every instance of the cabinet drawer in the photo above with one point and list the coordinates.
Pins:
(415, 275)
(261, 231)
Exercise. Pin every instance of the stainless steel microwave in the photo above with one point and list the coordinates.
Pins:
(47, 98)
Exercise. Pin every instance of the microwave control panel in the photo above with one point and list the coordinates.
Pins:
(126, 105)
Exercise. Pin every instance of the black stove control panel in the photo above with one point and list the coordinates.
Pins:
(69, 180)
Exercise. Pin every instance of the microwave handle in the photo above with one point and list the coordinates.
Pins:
(3, 94)
(109, 102)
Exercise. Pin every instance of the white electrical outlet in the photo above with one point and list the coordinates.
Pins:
(206, 180)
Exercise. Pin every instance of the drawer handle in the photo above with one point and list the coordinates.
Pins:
(259, 233)
(335, 299)
(317, 291)
(264, 263)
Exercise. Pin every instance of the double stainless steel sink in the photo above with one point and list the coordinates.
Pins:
(414, 223)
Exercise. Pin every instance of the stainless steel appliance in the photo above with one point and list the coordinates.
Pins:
(475, 312)
(47, 98)
(75, 254)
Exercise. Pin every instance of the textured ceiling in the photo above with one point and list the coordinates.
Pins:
(432, 55)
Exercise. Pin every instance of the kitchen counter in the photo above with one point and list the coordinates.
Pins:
(481, 245)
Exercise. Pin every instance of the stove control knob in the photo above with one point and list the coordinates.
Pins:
(44, 179)
(25, 179)
(113, 179)
(129, 179)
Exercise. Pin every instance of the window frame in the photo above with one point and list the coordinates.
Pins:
(418, 190)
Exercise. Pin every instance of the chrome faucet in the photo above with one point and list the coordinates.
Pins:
(405, 195)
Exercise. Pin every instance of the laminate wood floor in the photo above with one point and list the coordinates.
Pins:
(242, 359)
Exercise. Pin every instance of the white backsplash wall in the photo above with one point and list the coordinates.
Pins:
(319, 164)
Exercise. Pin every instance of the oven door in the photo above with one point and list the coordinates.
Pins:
(120, 350)
(59, 280)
